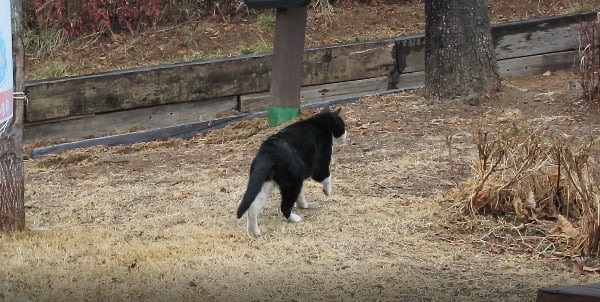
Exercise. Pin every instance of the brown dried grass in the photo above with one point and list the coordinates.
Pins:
(589, 61)
(156, 222)
(533, 176)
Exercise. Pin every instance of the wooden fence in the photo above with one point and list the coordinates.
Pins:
(165, 95)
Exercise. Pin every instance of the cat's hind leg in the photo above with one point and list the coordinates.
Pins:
(256, 206)
(327, 185)
(301, 202)
(289, 195)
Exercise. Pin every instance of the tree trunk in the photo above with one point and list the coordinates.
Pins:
(459, 52)
(12, 189)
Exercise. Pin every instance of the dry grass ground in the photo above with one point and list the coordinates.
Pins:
(156, 221)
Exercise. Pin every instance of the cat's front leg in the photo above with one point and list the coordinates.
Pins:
(301, 202)
(289, 195)
(327, 185)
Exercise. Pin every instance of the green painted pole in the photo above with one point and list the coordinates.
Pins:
(286, 75)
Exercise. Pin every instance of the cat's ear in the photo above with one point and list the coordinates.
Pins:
(337, 111)
(325, 109)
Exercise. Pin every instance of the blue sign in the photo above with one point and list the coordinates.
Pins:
(3, 62)
(6, 64)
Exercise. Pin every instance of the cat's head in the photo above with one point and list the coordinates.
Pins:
(338, 127)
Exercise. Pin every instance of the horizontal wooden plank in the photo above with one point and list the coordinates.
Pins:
(537, 64)
(511, 40)
(410, 53)
(177, 131)
(348, 62)
(539, 36)
(180, 131)
(593, 285)
(575, 293)
(143, 87)
(167, 84)
(319, 93)
(151, 86)
(122, 121)
(406, 80)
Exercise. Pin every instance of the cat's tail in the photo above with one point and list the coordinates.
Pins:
(262, 167)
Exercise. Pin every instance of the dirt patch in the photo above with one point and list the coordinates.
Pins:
(214, 37)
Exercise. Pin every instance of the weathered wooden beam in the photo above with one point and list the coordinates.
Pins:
(102, 124)
(410, 79)
(410, 54)
(573, 293)
(144, 87)
(158, 85)
(348, 62)
(166, 84)
(538, 36)
(164, 115)
(318, 93)
(537, 64)
(180, 131)
(177, 131)
(511, 40)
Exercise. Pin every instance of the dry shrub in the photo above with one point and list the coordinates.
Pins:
(78, 157)
(535, 177)
(589, 61)
(236, 131)
(157, 144)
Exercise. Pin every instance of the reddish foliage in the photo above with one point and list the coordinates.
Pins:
(85, 16)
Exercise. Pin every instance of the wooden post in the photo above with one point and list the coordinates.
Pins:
(286, 75)
(12, 189)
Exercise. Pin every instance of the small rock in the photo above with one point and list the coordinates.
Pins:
(473, 99)
(547, 73)
(574, 85)
(367, 149)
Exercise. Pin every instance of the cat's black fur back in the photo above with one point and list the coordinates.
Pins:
(295, 153)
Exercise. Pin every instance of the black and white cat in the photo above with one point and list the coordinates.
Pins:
(297, 152)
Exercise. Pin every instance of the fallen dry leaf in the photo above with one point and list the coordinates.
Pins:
(563, 225)
(578, 268)
(591, 269)
(519, 207)
(180, 195)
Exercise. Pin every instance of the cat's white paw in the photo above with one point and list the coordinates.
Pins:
(327, 186)
(254, 231)
(301, 205)
(295, 218)
(301, 201)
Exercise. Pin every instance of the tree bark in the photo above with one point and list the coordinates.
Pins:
(459, 52)
(12, 188)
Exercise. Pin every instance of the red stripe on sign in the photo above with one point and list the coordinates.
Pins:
(6, 105)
